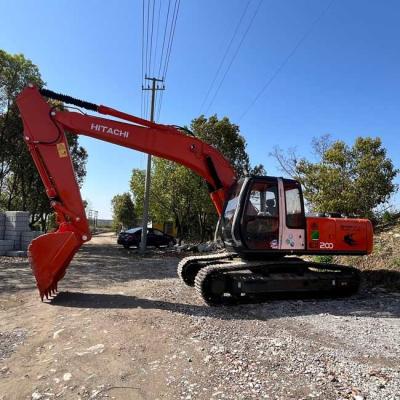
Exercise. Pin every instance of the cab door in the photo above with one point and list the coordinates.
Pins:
(260, 224)
(292, 222)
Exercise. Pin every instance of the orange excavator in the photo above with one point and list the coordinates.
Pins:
(262, 219)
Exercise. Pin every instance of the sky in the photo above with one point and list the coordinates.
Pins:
(335, 69)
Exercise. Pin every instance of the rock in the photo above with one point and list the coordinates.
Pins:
(96, 349)
(332, 378)
(57, 333)
(207, 247)
(207, 359)
(67, 376)
(182, 247)
(36, 396)
(94, 393)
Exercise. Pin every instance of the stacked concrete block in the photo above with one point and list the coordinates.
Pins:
(15, 237)
(15, 234)
(27, 237)
(2, 225)
(6, 246)
(16, 223)
(16, 253)
(17, 220)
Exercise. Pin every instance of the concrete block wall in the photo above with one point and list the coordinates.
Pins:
(27, 237)
(16, 223)
(2, 225)
(15, 234)
(6, 246)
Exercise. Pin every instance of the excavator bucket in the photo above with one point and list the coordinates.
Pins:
(50, 255)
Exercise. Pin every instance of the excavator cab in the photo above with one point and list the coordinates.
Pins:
(264, 214)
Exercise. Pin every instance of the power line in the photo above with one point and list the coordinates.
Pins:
(151, 44)
(146, 102)
(172, 34)
(159, 106)
(225, 55)
(157, 30)
(235, 55)
(159, 100)
(142, 97)
(142, 38)
(169, 47)
(286, 59)
(165, 35)
(147, 37)
(151, 36)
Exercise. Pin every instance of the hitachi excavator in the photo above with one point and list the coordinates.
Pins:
(262, 219)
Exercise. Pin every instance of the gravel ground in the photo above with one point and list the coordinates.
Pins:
(124, 327)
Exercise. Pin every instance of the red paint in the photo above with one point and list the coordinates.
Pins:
(345, 235)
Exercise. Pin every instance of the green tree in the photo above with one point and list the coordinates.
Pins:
(348, 179)
(123, 211)
(179, 194)
(226, 137)
(20, 185)
(137, 188)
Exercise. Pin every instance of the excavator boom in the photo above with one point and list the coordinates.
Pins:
(44, 134)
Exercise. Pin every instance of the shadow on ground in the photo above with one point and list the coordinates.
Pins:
(94, 266)
(117, 265)
(360, 305)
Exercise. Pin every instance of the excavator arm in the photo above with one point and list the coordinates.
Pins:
(44, 134)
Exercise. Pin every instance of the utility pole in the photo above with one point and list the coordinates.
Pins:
(154, 87)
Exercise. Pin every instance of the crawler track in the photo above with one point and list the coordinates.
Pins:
(233, 282)
(189, 267)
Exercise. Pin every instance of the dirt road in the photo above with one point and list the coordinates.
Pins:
(124, 327)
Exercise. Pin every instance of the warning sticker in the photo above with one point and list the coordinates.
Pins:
(62, 150)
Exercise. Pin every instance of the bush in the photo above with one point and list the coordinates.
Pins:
(324, 259)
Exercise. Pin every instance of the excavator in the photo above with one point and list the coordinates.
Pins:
(262, 221)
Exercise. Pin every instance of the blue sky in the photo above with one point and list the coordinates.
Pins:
(344, 79)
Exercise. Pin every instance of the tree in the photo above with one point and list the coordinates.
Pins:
(350, 180)
(179, 194)
(123, 211)
(20, 185)
(226, 137)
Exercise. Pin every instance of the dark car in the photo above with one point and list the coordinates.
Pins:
(132, 237)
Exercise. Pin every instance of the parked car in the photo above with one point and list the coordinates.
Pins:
(132, 237)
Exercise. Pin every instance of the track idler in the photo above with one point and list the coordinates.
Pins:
(189, 267)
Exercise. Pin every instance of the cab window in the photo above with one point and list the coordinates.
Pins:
(294, 206)
(230, 210)
(260, 221)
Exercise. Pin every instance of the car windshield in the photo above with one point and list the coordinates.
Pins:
(133, 230)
